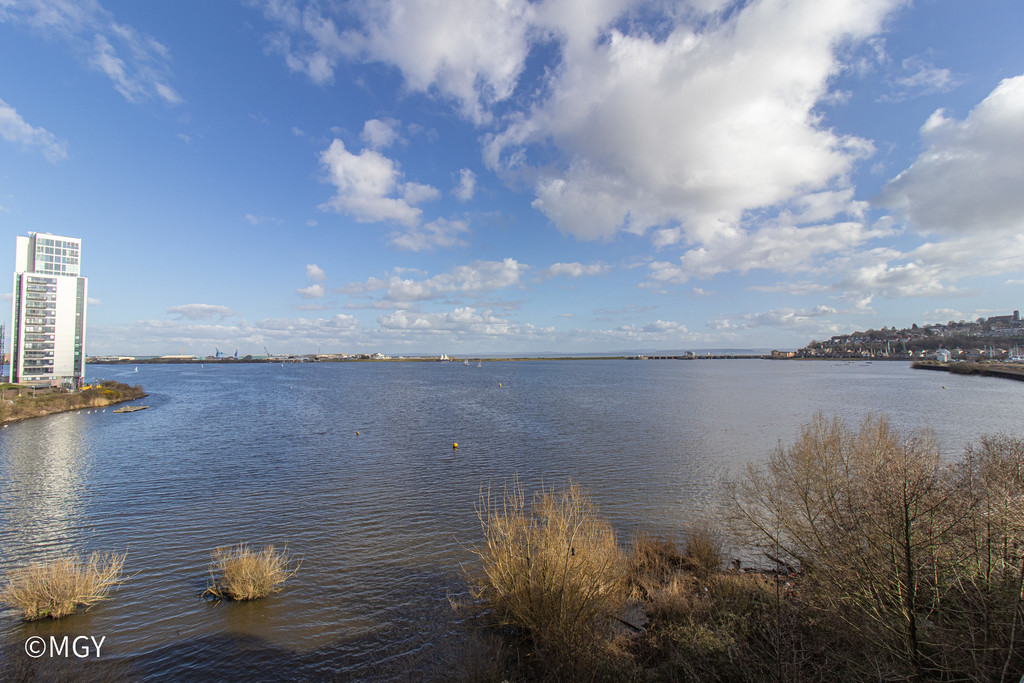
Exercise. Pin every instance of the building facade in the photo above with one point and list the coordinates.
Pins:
(48, 311)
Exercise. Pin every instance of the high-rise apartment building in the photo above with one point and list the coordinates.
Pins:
(48, 312)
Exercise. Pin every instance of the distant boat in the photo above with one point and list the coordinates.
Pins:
(479, 363)
(136, 368)
(444, 358)
(465, 362)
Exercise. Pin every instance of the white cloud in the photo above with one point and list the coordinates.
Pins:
(755, 140)
(782, 317)
(461, 321)
(253, 219)
(786, 248)
(663, 333)
(440, 233)
(201, 311)
(476, 278)
(467, 185)
(469, 51)
(378, 134)
(608, 136)
(920, 77)
(968, 181)
(315, 291)
(315, 273)
(137, 64)
(573, 270)
(13, 128)
(370, 187)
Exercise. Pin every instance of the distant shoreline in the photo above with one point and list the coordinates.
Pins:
(479, 359)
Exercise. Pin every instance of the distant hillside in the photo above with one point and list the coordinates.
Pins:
(995, 337)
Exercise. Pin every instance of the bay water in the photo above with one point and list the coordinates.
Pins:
(351, 466)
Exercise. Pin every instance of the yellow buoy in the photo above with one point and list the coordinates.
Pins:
(455, 445)
(357, 433)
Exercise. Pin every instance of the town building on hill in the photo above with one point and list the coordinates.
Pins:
(48, 311)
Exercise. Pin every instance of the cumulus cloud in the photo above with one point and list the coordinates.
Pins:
(474, 279)
(201, 311)
(634, 151)
(968, 179)
(315, 273)
(467, 185)
(137, 64)
(608, 136)
(14, 128)
(782, 317)
(468, 51)
(315, 291)
(378, 134)
(463, 321)
(370, 187)
(440, 233)
(786, 248)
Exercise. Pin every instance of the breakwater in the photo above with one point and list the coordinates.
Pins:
(986, 369)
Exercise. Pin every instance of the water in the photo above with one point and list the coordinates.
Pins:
(382, 520)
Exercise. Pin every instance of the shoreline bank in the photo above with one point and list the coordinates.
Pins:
(15, 407)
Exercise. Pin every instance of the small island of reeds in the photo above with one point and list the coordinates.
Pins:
(20, 402)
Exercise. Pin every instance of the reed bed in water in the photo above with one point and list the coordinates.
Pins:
(241, 573)
(56, 589)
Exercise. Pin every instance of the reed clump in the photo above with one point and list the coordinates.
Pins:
(551, 573)
(702, 554)
(241, 573)
(57, 588)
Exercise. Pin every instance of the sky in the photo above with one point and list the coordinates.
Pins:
(506, 176)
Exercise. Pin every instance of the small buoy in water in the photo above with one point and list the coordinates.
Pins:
(499, 385)
(943, 386)
(357, 433)
(455, 446)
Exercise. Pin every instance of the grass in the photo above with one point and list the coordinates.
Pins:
(550, 572)
(56, 589)
(241, 573)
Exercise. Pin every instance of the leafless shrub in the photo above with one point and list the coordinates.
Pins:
(898, 545)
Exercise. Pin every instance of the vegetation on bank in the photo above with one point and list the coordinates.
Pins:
(19, 402)
(58, 588)
(888, 564)
(241, 573)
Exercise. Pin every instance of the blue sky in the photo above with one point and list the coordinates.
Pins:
(565, 176)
